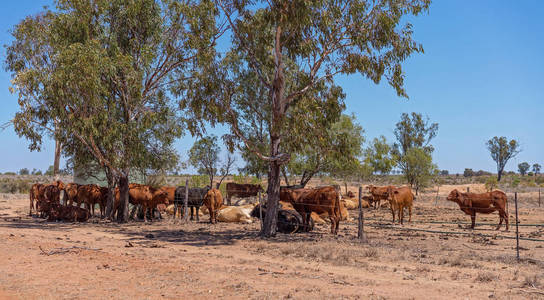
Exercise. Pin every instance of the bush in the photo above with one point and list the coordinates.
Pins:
(491, 183)
(14, 186)
(468, 172)
(515, 182)
(10, 173)
(531, 174)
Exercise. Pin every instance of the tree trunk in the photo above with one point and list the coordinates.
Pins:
(122, 214)
(285, 176)
(499, 175)
(56, 163)
(346, 186)
(111, 196)
(270, 220)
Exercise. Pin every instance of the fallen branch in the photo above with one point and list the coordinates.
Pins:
(65, 250)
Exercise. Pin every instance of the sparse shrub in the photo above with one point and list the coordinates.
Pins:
(370, 252)
(491, 183)
(485, 277)
(468, 172)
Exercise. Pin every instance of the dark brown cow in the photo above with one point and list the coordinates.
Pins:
(213, 201)
(379, 193)
(483, 203)
(400, 198)
(242, 190)
(148, 197)
(60, 212)
(318, 200)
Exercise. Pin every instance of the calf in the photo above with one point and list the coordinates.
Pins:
(484, 203)
(213, 201)
(379, 193)
(90, 195)
(35, 195)
(400, 198)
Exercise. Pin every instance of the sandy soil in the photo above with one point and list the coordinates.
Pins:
(172, 260)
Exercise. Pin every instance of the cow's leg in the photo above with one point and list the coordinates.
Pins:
(505, 216)
(197, 216)
(31, 205)
(473, 218)
(401, 214)
(410, 213)
(393, 213)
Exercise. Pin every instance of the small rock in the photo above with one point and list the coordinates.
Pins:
(129, 244)
(149, 236)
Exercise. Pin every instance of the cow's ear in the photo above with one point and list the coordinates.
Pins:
(395, 192)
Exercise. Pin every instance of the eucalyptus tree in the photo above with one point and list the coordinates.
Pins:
(502, 151)
(379, 155)
(112, 66)
(310, 42)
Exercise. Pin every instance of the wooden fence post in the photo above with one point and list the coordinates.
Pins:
(185, 200)
(468, 189)
(436, 199)
(517, 231)
(361, 234)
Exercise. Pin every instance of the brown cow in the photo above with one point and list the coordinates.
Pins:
(147, 196)
(60, 212)
(379, 193)
(35, 195)
(71, 192)
(90, 195)
(400, 198)
(484, 203)
(213, 201)
(318, 200)
(242, 190)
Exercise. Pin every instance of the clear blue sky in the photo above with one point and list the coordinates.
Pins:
(482, 75)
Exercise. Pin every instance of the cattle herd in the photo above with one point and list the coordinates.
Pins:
(297, 204)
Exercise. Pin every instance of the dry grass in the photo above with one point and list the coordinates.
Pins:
(485, 277)
(531, 281)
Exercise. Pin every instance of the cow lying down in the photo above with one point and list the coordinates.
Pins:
(68, 213)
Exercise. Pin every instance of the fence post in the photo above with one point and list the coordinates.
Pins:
(468, 189)
(361, 234)
(517, 232)
(436, 199)
(538, 197)
(260, 210)
(185, 200)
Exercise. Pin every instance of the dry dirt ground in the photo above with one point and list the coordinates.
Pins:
(172, 260)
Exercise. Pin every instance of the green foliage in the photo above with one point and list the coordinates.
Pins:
(468, 172)
(379, 155)
(444, 172)
(530, 174)
(523, 168)
(243, 179)
(336, 153)
(197, 181)
(491, 183)
(501, 151)
(414, 131)
(204, 155)
(419, 168)
(10, 173)
(515, 182)
(536, 168)
(24, 171)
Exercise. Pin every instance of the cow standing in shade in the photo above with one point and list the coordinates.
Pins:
(195, 200)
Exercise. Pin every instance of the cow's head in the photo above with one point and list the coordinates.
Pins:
(391, 193)
(455, 196)
(60, 185)
(160, 197)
